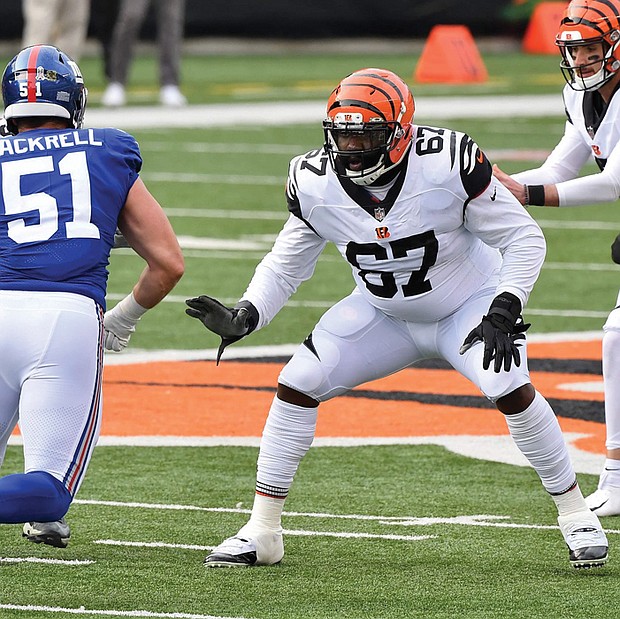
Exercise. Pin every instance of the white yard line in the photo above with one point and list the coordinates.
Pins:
(473, 520)
(82, 611)
(288, 532)
(116, 542)
(69, 562)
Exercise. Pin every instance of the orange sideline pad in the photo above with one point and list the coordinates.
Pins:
(542, 28)
(450, 56)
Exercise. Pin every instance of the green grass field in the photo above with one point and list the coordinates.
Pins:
(341, 563)
(489, 548)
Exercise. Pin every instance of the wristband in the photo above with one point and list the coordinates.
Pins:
(534, 195)
(253, 314)
(130, 309)
(508, 306)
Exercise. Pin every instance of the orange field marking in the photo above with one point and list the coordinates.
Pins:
(198, 398)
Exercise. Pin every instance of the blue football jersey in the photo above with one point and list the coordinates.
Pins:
(62, 192)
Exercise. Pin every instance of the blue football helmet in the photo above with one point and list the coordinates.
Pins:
(43, 81)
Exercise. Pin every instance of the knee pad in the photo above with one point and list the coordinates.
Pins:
(304, 372)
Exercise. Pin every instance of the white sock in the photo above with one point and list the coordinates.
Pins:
(266, 514)
(570, 502)
(611, 474)
(287, 436)
(537, 434)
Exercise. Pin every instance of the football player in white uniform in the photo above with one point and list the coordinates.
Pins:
(64, 190)
(443, 258)
(589, 41)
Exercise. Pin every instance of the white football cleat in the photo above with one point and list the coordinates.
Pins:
(247, 549)
(585, 538)
(605, 501)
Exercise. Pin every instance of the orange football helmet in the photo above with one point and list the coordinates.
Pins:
(589, 22)
(368, 127)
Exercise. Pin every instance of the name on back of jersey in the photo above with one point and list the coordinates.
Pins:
(22, 144)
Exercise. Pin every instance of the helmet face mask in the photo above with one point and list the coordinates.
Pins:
(591, 27)
(368, 125)
(43, 81)
(358, 150)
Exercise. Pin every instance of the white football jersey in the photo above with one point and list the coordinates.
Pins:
(419, 253)
(596, 122)
(592, 130)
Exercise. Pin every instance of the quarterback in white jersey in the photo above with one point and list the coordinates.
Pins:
(588, 39)
(443, 258)
(63, 192)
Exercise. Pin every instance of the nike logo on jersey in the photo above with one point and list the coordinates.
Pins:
(494, 194)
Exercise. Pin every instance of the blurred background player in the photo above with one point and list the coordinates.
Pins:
(444, 259)
(62, 23)
(588, 40)
(131, 14)
(64, 191)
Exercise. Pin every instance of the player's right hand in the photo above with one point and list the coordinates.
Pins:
(230, 323)
(117, 330)
(227, 322)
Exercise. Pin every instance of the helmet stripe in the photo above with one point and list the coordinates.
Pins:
(356, 103)
(610, 5)
(32, 74)
(401, 95)
(388, 96)
(604, 15)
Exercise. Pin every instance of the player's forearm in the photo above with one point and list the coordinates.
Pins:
(521, 266)
(155, 283)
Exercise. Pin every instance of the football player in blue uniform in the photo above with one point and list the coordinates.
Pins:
(63, 192)
(443, 257)
(589, 41)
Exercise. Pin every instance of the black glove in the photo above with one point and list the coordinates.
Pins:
(231, 324)
(499, 331)
(119, 240)
(615, 250)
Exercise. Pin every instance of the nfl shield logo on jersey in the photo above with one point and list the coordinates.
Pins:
(379, 213)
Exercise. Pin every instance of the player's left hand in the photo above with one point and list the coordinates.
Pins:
(500, 331)
(615, 250)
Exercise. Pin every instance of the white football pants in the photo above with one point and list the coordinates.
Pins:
(51, 366)
(611, 376)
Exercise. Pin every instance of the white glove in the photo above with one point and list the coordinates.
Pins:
(120, 322)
